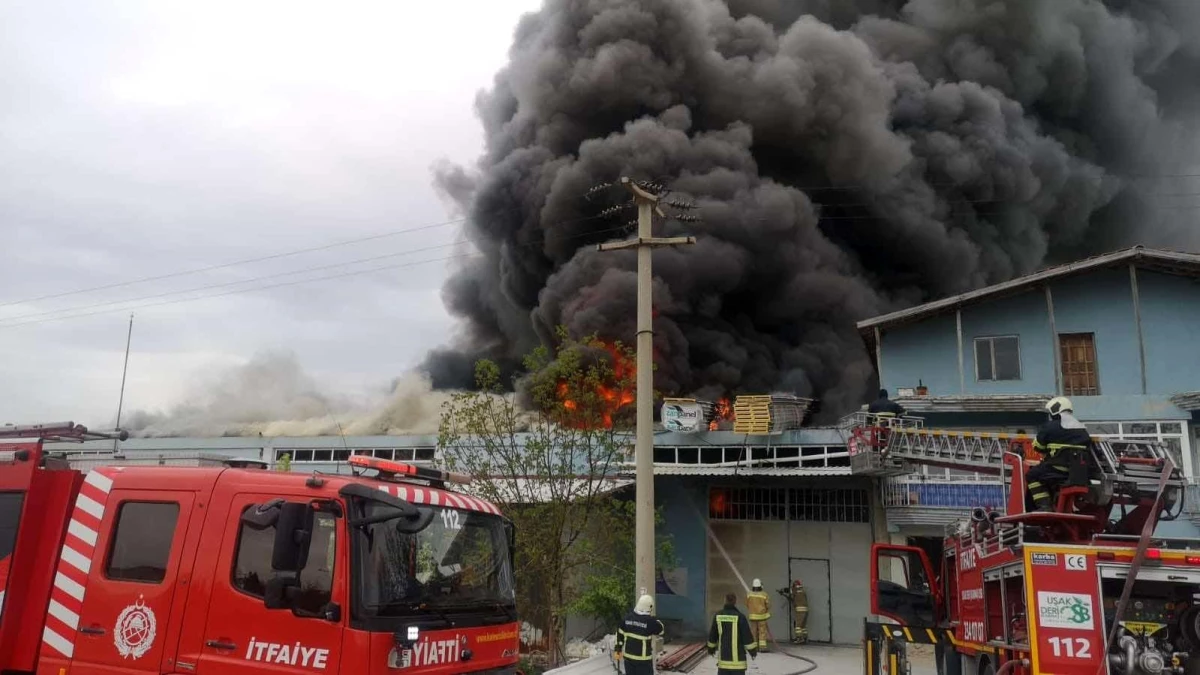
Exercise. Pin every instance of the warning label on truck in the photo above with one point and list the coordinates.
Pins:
(1065, 610)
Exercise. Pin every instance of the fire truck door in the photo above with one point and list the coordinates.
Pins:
(242, 636)
(126, 604)
(902, 585)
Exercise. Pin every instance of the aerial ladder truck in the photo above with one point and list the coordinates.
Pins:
(1083, 589)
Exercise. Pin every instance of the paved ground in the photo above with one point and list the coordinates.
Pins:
(829, 660)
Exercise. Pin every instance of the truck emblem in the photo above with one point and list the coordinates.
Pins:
(135, 630)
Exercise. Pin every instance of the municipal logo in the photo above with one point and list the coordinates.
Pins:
(1048, 559)
(135, 630)
(1065, 610)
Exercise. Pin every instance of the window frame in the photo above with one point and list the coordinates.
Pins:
(990, 340)
(1062, 362)
(237, 549)
(116, 531)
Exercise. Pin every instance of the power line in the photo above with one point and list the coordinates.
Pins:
(346, 242)
(66, 310)
(244, 261)
(283, 284)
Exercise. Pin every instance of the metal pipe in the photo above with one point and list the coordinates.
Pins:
(1008, 667)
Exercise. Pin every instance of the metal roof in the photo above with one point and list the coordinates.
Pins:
(1004, 403)
(756, 471)
(1188, 400)
(1170, 262)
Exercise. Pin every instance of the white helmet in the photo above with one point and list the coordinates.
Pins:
(645, 605)
(1059, 404)
(757, 585)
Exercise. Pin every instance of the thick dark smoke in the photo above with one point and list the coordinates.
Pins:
(850, 157)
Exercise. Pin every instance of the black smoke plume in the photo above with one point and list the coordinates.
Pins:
(849, 157)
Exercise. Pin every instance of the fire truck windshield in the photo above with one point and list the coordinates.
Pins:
(458, 563)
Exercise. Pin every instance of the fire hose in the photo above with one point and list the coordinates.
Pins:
(812, 665)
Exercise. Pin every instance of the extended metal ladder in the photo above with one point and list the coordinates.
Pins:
(881, 444)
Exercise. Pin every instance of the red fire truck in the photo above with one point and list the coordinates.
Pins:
(1083, 590)
(235, 569)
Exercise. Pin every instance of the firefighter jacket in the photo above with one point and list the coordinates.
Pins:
(1062, 432)
(731, 638)
(758, 606)
(635, 636)
(885, 405)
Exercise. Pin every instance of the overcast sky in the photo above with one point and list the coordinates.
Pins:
(145, 138)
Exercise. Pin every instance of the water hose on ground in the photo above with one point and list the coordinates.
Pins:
(812, 665)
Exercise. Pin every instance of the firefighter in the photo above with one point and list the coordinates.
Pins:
(758, 610)
(731, 639)
(635, 638)
(1060, 440)
(883, 404)
(799, 599)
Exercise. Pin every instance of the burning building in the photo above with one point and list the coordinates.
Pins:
(849, 159)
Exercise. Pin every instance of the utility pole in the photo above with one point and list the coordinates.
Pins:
(124, 372)
(646, 197)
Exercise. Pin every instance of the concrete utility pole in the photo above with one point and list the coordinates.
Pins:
(647, 205)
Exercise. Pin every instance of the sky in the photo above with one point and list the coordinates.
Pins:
(146, 139)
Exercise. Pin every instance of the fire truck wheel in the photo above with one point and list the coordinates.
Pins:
(949, 661)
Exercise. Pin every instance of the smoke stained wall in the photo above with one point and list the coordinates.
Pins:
(849, 158)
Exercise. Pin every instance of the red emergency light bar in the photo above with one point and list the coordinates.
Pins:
(388, 468)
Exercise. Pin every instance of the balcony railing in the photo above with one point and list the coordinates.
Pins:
(945, 493)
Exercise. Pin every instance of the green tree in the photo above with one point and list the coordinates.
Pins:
(547, 456)
(284, 463)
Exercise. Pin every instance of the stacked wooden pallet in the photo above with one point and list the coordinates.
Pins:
(684, 659)
(769, 414)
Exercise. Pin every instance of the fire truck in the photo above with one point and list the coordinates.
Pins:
(1083, 589)
(235, 569)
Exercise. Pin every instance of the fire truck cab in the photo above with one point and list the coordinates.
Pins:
(231, 570)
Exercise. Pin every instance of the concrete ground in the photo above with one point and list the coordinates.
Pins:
(829, 660)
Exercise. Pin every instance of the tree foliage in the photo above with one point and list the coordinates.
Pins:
(547, 456)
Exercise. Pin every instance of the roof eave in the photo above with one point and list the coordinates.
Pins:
(1135, 255)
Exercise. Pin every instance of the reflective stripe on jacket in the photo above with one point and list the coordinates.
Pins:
(731, 637)
(1063, 432)
(758, 606)
(634, 637)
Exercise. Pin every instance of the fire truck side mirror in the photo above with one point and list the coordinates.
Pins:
(293, 531)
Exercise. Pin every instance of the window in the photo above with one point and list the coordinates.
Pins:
(252, 564)
(839, 505)
(141, 544)
(1079, 374)
(10, 518)
(1170, 433)
(997, 359)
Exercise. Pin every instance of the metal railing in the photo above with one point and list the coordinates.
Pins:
(939, 492)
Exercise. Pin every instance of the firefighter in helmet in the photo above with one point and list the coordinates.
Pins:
(883, 404)
(729, 638)
(758, 610)
(635, 638)
(798, 598)
(1062, 441)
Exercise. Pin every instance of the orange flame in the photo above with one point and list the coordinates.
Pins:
(613, 397)
(723, 411)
